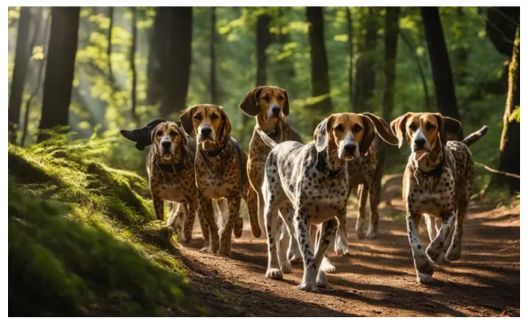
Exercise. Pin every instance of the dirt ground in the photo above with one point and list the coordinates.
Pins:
(377, 279)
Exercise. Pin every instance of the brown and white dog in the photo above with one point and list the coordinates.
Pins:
(220, 173)
(270, 106)
(438, 182)
(308, 184)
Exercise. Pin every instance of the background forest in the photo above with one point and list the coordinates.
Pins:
(79, 75)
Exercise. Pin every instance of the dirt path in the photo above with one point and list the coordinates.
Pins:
(377, 279)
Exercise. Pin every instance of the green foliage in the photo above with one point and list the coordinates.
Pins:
(75, 229)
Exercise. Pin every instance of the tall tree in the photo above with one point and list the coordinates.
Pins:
(158, 48)
(319, 61)
(263, 39)
(132, 57)
(391, 39)
(349, 32)
(60, 68)
(440, 64)
(176, 71)
(22, 56)
(109, 44)
(365, 65)
(510, 143)
(501, 25)
(213, 58)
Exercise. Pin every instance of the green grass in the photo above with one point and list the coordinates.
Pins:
(76, 244)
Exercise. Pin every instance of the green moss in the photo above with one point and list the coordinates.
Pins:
(75, 237)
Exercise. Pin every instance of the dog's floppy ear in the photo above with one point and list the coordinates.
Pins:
(398, 127)
(285, 108)
(142, 136)
(321, 134)
(369, 135)
(250, 104)
(186, 119)
(226, 126)
(382, 128)
(445, 125)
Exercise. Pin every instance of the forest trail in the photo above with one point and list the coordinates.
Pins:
(377, 279)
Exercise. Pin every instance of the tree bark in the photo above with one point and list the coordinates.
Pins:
(319, 61)
(132, 56)
(501, 24)
(22, 55)
(391, 39)
(176, 71)
(213, 58)
(349, 31)
(158, 49)
(263, 39)
(440, 64)
(60, 68)
(510, 138)
(365, 65)
(109, 45)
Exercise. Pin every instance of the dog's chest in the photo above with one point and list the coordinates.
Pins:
(432, 195)
(172, 186)
(219, 180)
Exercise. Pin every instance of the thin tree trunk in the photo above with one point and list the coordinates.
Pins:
(412, 49)
(262, 42)
(349, 31)
(365, 67)
(132, 56)
(391, 39)
(319, 61)
(41, 63)
(176, 71)
(60, 68)
(22, 56)
(109, 45)
(158, 52)
(501, 25)
(213, 62)
(440, 64)
(510, 143)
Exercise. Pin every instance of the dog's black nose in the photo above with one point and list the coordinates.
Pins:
(419, 142)
(275, 110)
(350, 148)
(166, 144)
(206, 131)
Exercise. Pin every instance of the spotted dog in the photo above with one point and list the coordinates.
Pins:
(220, 173)
(170, 170)
(438, 182)
(308, 184)
(269, 105)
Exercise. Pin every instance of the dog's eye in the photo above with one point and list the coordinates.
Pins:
(266, 98)
(214, 116)
(357, 128)
(339, 128)
(429, 127)
(412, 126)
(173, 134)
(280, 97)
(159, 133)
(197, 116)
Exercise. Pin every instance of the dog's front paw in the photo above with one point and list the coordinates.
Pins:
(286, 267)
(424, 278)
(326, 266)
(273, 273)
(322, 280)
(310, 287)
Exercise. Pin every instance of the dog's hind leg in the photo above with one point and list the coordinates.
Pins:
(328, 228)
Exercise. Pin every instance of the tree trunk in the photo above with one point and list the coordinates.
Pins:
(176, 71)
(349, 31)
(60, 68)
(319, 61)
(501, 24)
(263, 39)
(440, 64)
(510, 138)
(22, 56)
(132, 56)
(365, 65)
(213, 62)
(109, 45)
(391, 38)
(158, 49)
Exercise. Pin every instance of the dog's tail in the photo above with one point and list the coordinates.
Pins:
(475, 136)
(265, 137)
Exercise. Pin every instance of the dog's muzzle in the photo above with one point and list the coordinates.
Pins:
(206, 133)
(274, 111)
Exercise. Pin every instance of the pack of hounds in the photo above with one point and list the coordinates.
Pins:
(297, 193)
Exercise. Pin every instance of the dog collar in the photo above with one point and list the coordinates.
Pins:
(323, 168)
(170, 168)
(437, 171)
(215, 152)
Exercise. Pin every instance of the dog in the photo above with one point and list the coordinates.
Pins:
(170, 172)
(438, 182)
(269, 105)
(220, 173)
(309, 184)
